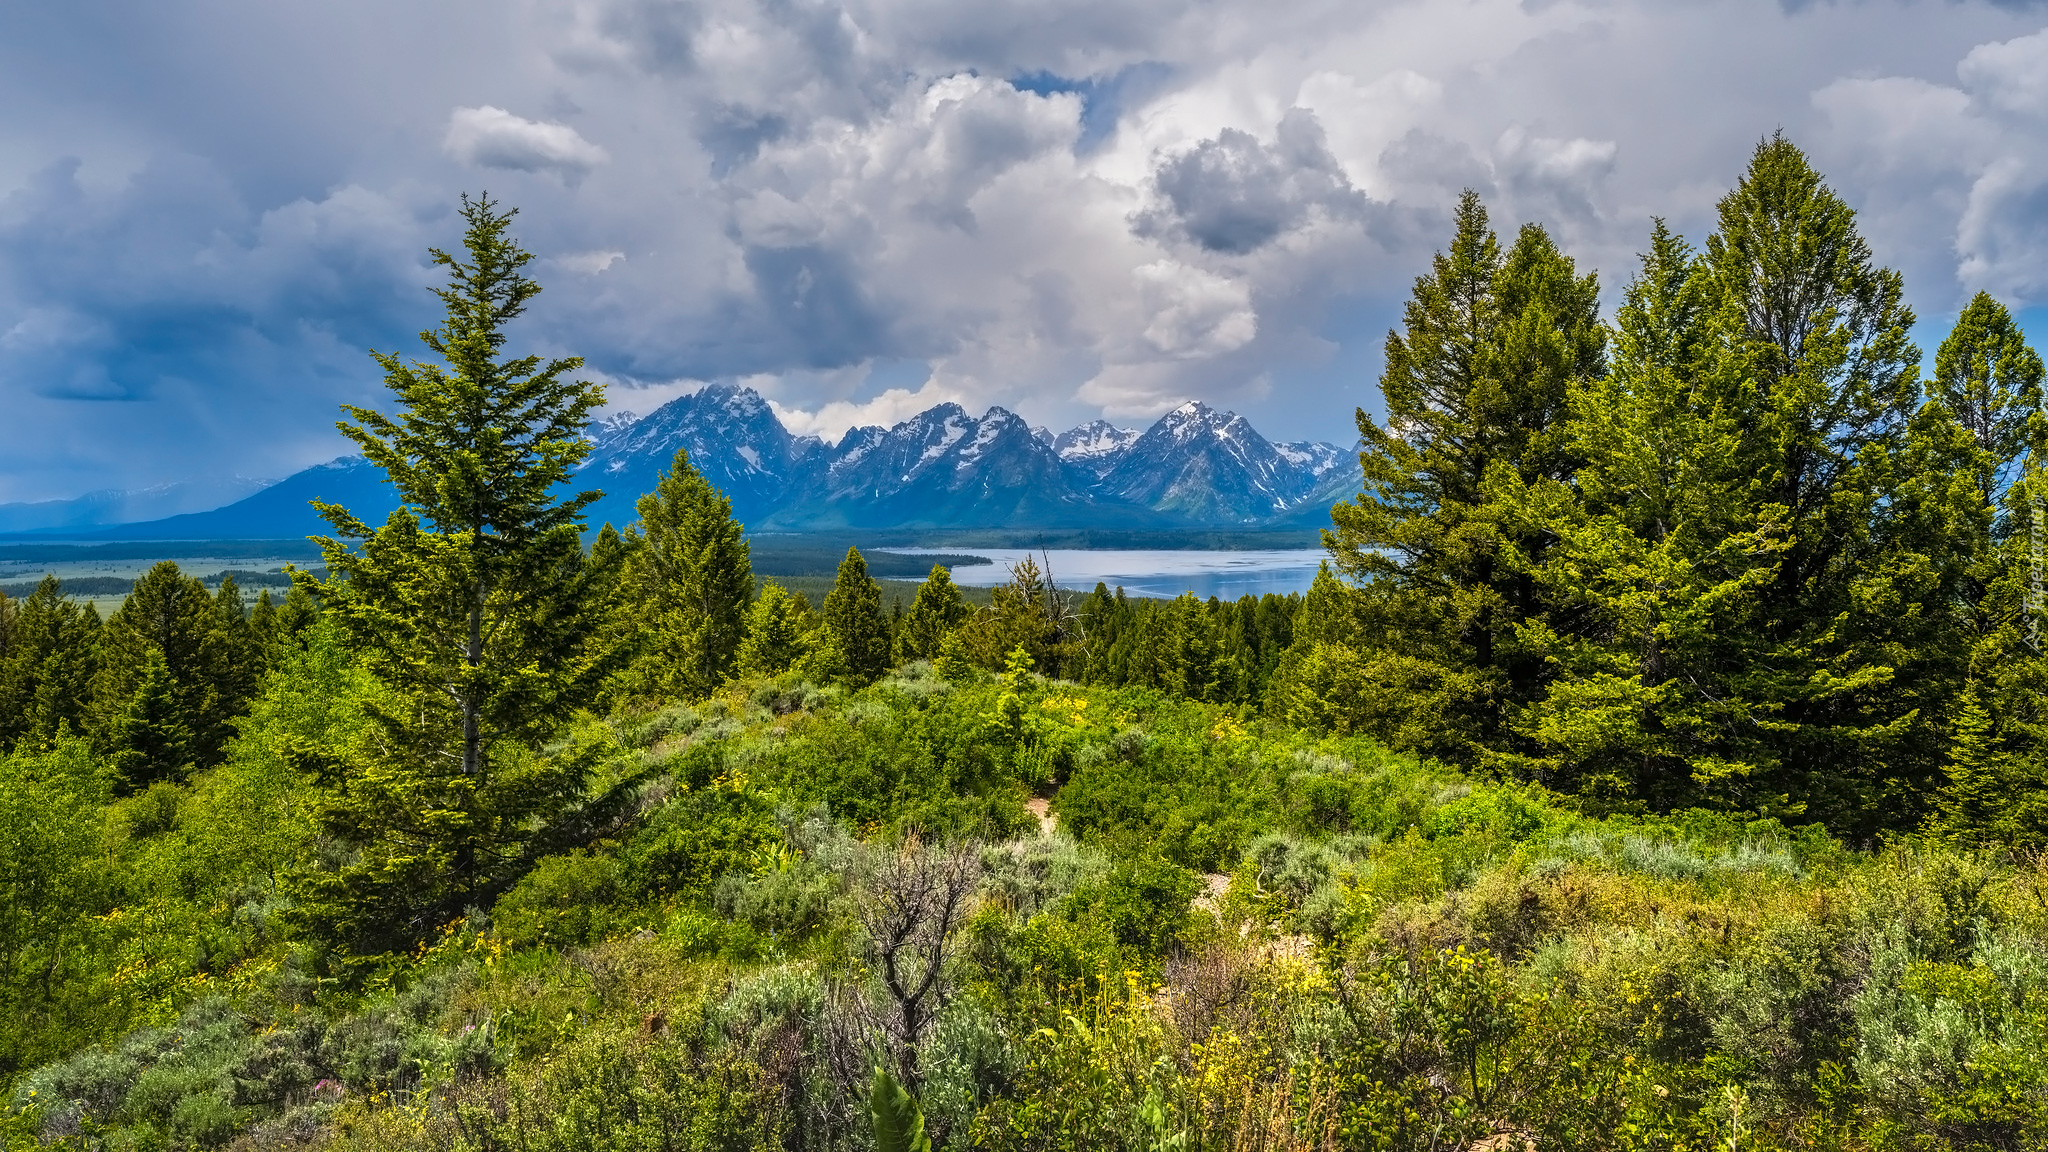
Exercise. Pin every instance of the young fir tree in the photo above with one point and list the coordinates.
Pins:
(1475, 388)
(2010, 678)
(240, 658)
(1659, 558)
(779, 630)
(938, 609)
(473, 603)
(1028, 612)
(176, 617)
(693, 578)
(1987, 377)
(150, 735)
(1990, 382)
(614, 598)
(1105, 617)
(853, 624)
(47, 669)
(282, 629)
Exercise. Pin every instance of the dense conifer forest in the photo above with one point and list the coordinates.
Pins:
(1656, 764)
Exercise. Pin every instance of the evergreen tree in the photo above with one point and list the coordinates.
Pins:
(693, 578)
(174, 616)
(263, 618)
(1990, 383)
(1105, 618)
(779, 630)
(1661, 556)
(1993, 797)
(473, 603)
(624, 631)
(938, 609)
(853, 623)
(48, 667)
(1475, 386)
(1025, 612)
(1755, 577)
(285, 625)
(154, 744)
(1855, 648)
(237, 659)
(1987, 377)
(1191, 666)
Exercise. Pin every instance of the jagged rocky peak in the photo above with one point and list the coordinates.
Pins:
(1093, 441)
(1192, 418)
(608, 430)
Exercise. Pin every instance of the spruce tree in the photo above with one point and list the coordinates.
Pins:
(1475, 387)
(938, 609)
(237, 658)
(853, 622)
(693, 580)
(1757, 574)
(1659, 558)
(1028, 612)
(150, 734)
(284, 627)
(174, 616)
(1987, 377)
(779, 630)
(473, 603)
(47, 671)
(1856, 645)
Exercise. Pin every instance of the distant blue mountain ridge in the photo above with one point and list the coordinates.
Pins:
(944, 468)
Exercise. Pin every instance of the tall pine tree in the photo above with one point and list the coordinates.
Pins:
(474, 603)
(1475, 387)
(1757, 572)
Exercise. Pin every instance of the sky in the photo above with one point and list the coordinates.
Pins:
(211, 209)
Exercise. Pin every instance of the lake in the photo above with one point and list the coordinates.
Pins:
(1151, 572)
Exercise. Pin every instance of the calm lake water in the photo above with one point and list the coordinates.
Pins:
(1164, 573)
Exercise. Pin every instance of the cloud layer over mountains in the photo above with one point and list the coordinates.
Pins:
(864, 208)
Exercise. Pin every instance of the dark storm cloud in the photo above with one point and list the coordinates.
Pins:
(1235, 193)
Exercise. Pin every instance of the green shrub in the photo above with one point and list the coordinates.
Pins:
(696, 838)
(565, 900)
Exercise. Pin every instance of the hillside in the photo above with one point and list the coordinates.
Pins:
(1380, 947)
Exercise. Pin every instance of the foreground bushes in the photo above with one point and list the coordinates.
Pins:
(1240, 937)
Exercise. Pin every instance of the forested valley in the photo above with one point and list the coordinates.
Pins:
(1657, 763)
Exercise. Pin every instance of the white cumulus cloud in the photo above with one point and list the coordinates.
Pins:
(491, 137)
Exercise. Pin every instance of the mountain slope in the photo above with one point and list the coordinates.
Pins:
(279, 511)
(1210, 467)
(116, 506)
(733, 438)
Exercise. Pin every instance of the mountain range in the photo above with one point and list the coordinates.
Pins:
(116, 506)
(944, 468)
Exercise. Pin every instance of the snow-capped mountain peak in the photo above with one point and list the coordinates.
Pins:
(945, 467)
